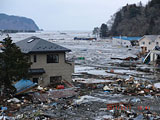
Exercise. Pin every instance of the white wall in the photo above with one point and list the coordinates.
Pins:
(150, 46)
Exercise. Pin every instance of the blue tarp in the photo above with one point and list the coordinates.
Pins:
(128, 38)
(24, 85)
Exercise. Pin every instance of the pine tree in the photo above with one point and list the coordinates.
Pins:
(104, 31)
(14, 64)
(96, 31)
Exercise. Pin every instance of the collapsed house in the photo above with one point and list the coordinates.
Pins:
(49, 64)
(125, 41)
(153, 57)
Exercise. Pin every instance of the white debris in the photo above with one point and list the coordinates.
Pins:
(83, 80)
(157, 85)
(149, 86)
(142, 92)
(14, 100)
(19, 116)
(87, 98)
(135, 100)
(104, 117)
(6, 118)
(107, 88)
(40, 88)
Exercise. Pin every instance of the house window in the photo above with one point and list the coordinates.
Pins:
(35, 58)
(143, 43)
(35, 80)
(52, 58)
(149, 43)
(157, 43)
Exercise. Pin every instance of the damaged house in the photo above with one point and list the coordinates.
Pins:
(149, 42)
(49, 64)
(150, 46)
(153, 57)
(125, 41)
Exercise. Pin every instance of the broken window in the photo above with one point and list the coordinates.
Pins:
(52, 58)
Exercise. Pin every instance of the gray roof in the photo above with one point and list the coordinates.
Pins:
(150, 37)
(37, 45)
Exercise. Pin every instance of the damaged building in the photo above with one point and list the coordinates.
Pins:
(49, 64)
(149, 42)
(153, 57)
(125, 41)
(150, 47)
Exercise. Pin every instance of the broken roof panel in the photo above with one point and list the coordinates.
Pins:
(34, 44)
(23, 86)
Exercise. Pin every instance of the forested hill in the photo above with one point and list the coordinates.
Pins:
(137, 20)
(16, 23)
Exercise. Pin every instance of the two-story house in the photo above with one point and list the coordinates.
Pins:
(48, 59)
(149, 42)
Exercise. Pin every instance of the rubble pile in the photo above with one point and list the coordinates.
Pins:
(34, 105)
(133, 87)
(103, 91)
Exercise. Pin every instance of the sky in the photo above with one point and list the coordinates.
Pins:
(65, 14)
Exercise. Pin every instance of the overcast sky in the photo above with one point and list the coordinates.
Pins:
(65, 14)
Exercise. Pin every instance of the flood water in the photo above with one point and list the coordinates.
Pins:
(97, 60)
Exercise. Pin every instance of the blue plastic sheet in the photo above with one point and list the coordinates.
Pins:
(23, 85)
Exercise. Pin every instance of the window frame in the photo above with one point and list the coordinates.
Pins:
(49, 61)
(149, 43)
(34, 58)
(157, 43)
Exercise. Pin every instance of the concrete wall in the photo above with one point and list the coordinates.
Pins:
(62, 68)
